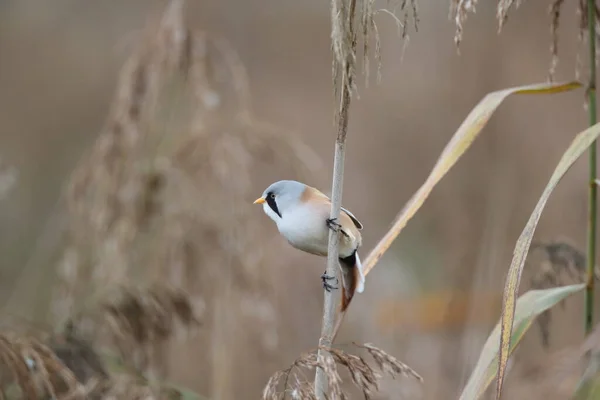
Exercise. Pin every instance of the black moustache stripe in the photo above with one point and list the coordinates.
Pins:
(271, 202)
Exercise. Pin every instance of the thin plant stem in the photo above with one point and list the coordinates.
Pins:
(331, 301)
(592, 211)
(328, 326)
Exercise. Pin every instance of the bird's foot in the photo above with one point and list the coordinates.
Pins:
(326, 285)
(334, 225)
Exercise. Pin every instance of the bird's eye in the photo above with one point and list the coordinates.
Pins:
(272, 195)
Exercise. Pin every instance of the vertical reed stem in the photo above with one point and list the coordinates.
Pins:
(592, 214)
(332, 298)
(330, 309)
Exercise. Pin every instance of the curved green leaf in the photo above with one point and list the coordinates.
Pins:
(580, 144)
(529, 306)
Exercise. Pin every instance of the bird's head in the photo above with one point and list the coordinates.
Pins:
(281, 197)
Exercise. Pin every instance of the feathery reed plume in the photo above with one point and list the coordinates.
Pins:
(164, 196)
(388, 363)
(459, 10)
(30, 370)
(66, 367)
(79, 356)
(563, 372)
(135, 322)
(554, 10)
(365, 377)
(165, 188)
(558, 263)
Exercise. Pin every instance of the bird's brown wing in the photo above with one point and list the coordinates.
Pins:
(313, 194)
(350, 240)
(357, 223)
(350, 279)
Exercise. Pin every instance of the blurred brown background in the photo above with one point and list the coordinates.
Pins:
(58, 69)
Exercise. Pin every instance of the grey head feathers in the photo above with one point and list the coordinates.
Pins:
(281, 196)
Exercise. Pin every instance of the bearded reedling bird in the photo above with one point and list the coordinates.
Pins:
(302, 215)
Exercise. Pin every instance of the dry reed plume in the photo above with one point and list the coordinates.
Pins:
(163, 192)
(30, 370)
(557, 263)
(564, 372)
(136, 322)
(164, 195)
(459, 10)
(125, 326)
(292, 382)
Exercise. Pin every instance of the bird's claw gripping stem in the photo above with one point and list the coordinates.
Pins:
(326, 285)
(335, 226)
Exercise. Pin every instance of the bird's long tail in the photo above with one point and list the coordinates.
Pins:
(353, 278)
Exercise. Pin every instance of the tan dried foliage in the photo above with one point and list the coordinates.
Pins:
(366, 378)
(136, 322)
(79, 356)
(165, 193)
(459, 9)
(350, 19)
(30, 370)
(162, 190)
(67, 367)
(129, 322)
(564, 371)
(554, 11)
(557, 263)
(390, 364)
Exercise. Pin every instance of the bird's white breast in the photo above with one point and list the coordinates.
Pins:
(305, 229)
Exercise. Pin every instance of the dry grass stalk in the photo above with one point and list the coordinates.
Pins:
(136, 322)
(79, 356)
(67, 367)
(582, 13)
(31, 370)
(163, 195)
(165, 188)
(364, 376)
(554, 11)
(558, 263)
(559, 375)
(348, 20)
(306, 361)
(503, 8)
(390, 364)
(459, 9)
(346, 16)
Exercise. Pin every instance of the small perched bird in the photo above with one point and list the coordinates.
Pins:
(302, 214)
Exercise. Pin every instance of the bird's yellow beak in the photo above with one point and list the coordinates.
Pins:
(260, 200)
